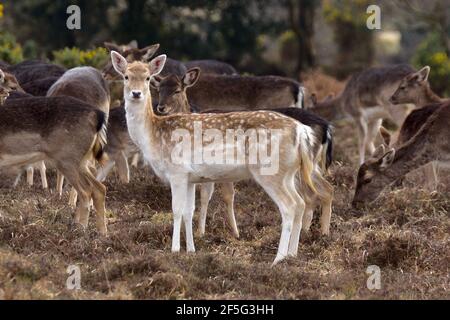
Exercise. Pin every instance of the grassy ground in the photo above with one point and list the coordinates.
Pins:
(406, 234)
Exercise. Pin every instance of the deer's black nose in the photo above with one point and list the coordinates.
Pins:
(161, 108)
(136, 94)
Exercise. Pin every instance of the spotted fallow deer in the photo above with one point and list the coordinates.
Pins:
(366, 99)
(88, 85)
(429, 144)
(158, 137)
(173, 99)
(63, 131)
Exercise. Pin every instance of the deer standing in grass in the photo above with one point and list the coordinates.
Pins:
(64, 131)
(88, 85)
(173, 99)
(366, 99)
(429, 144)
(154, 136)
(416, 89)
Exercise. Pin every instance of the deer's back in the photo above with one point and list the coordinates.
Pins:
(32, 70)
(212, 66)
(237, 93)
(85, 83)
(370, 85)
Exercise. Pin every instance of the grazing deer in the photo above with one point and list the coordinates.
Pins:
(416, 89)
(366, 99)
(429, 144)
(88, 85)
(154, 135)
(212, 67)
(63, 131)
(173, 99)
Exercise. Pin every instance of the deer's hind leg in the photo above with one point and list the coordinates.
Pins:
(43, 173)
(98, 197)
(325, 194)
(227, 190)
(276, 188)
(206, 191)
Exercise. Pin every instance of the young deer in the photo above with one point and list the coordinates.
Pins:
(173, 99)
(416, 89)
(158, 139)
(366, 99)
(429, 144)
(88, 85)
(64, 131)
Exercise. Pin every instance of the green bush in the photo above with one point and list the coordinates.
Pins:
(431, 53)
(10, 50)
(74, 57)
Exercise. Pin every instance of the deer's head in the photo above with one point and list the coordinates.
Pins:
(130, 53)
(412, 88)
(8, 83)
(137, 75)
(371, 179)
(172, 91)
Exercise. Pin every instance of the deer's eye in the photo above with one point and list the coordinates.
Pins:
(126, 77)
(148, 79)
(402, 88)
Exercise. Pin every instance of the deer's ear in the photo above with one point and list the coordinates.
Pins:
(191, 77)
(381, 150)
(133, 44)
(386, 136)
(112, 46)
(2, 76)
(155, 82)
(149, 51)
(421, 75)
(119, 63)
(157, 64)
(387, 159)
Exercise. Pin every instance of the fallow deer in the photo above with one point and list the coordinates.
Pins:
(232, 93)
(173, 99)
(32, 70)
(416, 89)
(154, 135)
(88, 85)
(429, 144)
(366, 99)
(64, 131)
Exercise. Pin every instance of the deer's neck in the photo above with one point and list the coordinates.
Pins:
(330, 109)
(409, 157)
(430, 96)
(140, 119)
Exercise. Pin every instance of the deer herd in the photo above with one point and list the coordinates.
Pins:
(201, 123)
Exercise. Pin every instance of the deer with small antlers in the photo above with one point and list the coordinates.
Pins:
(173, 99)
(429, 144)
(158, 137)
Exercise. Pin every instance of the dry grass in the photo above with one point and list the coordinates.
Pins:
(406, 233)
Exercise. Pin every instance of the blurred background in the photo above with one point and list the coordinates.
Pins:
(282, 37)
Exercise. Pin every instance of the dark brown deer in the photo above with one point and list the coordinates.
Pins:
(86, 84)
(429, 144)
(64, 131)
(32, 70)
(173, 99)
